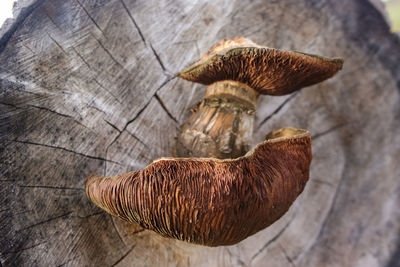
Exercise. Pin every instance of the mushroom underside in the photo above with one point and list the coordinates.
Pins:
(210, 201)
(267, 70)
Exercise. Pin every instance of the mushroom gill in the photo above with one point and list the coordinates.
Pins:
(267, 70)
(210, 201)
(236, 72)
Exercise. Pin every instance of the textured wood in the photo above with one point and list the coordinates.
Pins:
(86, 87)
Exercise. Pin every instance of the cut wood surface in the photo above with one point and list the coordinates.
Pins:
(87, 86)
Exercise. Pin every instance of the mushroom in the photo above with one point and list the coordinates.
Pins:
(236, 72)
(219, 194)
(211, 201)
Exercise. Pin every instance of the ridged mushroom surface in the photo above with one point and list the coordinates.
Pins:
(267, 70)
(210, 201)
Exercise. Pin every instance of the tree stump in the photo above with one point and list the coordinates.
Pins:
(87, 87)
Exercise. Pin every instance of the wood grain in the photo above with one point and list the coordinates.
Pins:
(86, 87)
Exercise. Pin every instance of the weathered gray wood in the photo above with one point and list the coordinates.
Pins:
(87, 87)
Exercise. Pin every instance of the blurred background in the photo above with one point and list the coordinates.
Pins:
(6, 10)
(392, 8)
(393, 11)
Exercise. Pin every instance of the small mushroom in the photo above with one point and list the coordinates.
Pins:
(236, 72)
(210, 201)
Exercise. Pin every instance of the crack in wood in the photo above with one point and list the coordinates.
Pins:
(21, 212)
(108, 91)
(231, 255)
(68, 261)
(317, 181)
(60, 114)
(126, 125)
(116, 230)
(52, 20)
(22, 86)
(135, 232)
(90, 215)
(23, 249)
(134, 22)
(90, 17)
(165, 108)
(51, 187)
(59, 45)
(139, 112)
(332, 129)
(112, 125)
(139, 140)
(10, 105)
(81, 57)
(133, 119)
(286, 255)
(96, 108)
(77, 239)
(65, 149)
(123, 129)
(272, 240)
(142, 36)
(325, 221)
(30, 50)
(46, 109)
(45, 221)
(109, 53)
(287, 100)
(79, 236)
(157, 57)
(123, 256)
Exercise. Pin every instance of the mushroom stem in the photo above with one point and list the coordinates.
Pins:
(221, 126)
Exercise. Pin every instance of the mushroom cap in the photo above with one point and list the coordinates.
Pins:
(210, 201)
(267, 70)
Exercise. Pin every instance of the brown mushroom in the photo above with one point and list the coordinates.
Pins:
(214, 201)
(210, 201)
(236, 72)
